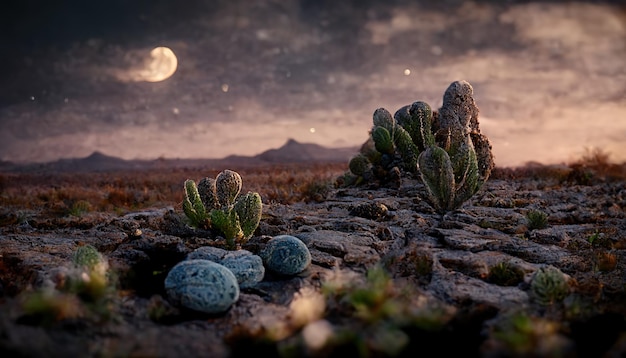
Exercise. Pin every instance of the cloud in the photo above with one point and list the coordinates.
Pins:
(548, 78)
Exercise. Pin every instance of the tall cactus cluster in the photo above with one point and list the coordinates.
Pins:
(216, 204)
(446, 147)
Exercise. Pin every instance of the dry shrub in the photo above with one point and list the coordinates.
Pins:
(139, 189)
(535, 171)
(593, 167)
(290, 183)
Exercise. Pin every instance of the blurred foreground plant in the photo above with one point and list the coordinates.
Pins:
(84, 290)
(216, 204)
(517, 334)
(388, 316)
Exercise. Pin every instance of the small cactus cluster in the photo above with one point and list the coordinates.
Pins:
(388, 149)
(216, 204)
(84, 288)
(445, 147)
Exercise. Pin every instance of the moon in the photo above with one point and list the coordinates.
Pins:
(161, 65)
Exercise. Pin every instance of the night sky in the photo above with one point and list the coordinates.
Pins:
(75, 77)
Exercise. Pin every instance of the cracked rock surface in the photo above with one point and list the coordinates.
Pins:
(585, 238)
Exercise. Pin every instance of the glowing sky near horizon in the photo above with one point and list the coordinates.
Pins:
(549, 82)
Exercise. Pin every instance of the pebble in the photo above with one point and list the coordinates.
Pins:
(202, 285)
(286, 255)
(247, 267)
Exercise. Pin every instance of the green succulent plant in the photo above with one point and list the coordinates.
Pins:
(217, 204)
(389, 146)
(86, 290)
(193, 206)
(457, 158)
(416, 119)
(88, 257)
(445, 147)
(359, 164)
(548, 286)
(516, 333)
(537, 219)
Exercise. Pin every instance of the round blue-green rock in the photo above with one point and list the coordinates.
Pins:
(247, 267)
(202, 285)
(286, 255)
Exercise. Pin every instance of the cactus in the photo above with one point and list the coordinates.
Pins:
(207, 191)
(407, 149)
(446, 147)
(382, 140)
(216, 204)
(395, 140)
(450, 166)
(194, 206)
(359, 164)
(388, 146)
(548, 286)
(90, 279)
(248, 208)
(416, 119)
(228, 186)
(89, 258)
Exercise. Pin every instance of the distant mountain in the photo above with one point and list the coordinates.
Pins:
(6, 165)
(296, 152)
(95, 162)
(291, 152)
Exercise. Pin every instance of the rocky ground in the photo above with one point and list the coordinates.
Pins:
(389, 276)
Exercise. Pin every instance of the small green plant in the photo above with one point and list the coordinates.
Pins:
(91, 278)
(521, 335)
(593, 237)
(216, 204)
(515, 331)
(536, 219)
(385, 313)
(79, 208)
(47, 306)
(505, 274)
(88, 257)
(549, 286)
(316, 190)
(85, 291)
(374, 301)
(378, 300)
